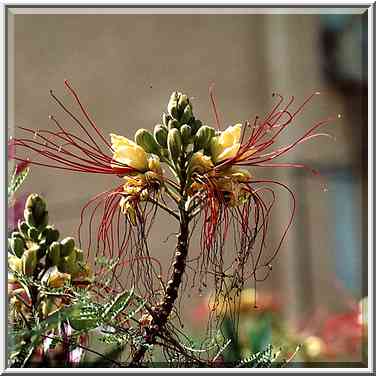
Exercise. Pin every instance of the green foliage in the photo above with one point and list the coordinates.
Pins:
(261, 359)
(15, 182)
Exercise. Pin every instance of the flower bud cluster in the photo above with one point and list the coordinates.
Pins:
(34, 251)
(180, 131)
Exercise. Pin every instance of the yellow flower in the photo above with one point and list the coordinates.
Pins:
(200, 163)
(227, 144)
(55, 279)
(15, 263)
(129, 153)
(154, 164)
(240, 174)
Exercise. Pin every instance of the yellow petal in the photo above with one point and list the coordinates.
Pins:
(200, 163)
(228, 152)
(118, 141)
(230, 136)
(131, 155)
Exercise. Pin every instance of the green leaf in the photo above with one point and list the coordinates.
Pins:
(15, 182)
(85, 318)
(120, 303)
(261, 359)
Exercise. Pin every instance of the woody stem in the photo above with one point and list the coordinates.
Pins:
(164, 308)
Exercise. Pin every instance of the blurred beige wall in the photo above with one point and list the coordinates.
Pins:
(124, 68)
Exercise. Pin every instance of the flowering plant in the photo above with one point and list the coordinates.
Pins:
(195, 173)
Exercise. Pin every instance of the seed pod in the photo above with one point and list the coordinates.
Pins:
(174, 144)
(67, 246)
(203, 137)
(187, 114)
(17, 245)
(146, 140)
(160, 134)
(173, 123)
(29, 261)
(172, 106)
(54, 253)
(186, 132)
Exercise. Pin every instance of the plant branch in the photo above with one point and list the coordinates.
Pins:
(163, 310)
(164, 207)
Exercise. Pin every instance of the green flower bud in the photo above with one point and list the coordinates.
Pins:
(23, 227)
(186, 132)
(183, 102)
(53, 253)
(33, 234)
(68, 264)
(165, 119)
(146, 140)
(203, 137)
(173, 124)
(17, 245)
(49, 234)
(160, 134)
(37, 205)
(195, 125)
(174, 144)
(29, 261)
(172, 106)
(67, 246)
(187, 114)
(79, 255)
(29, 218)
(16, 234)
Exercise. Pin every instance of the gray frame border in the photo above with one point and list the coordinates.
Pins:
(8, 7)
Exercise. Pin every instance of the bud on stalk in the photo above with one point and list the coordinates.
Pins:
(67, 246)
(160, 134)
(53, 253)
(146, 140)
(174, 144)
(186, 132)
(187, 114)
(203, 137)
(183, 102)
(172, 106)
(17, 245)
(29, 261)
